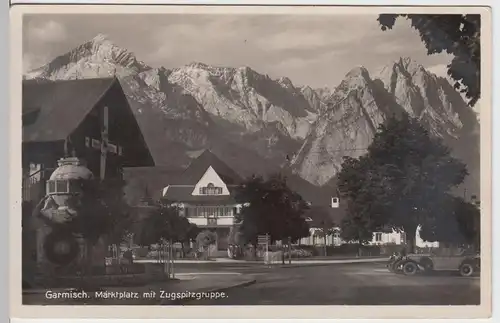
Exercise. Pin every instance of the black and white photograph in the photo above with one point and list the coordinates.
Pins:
(237, 157)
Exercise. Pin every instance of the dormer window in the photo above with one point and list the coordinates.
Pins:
(210, 189)
(335, 202)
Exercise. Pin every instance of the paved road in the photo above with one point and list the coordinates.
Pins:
(348, 284)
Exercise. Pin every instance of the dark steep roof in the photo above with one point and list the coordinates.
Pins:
(53, 109)
(153, 178)
(324, 214)
(199, 166)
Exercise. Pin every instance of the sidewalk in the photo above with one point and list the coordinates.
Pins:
(339, 260)
(163, 293)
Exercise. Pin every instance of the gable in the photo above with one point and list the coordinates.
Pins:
(56, 110)
(196, 170)
(210, 178)
(53, 109)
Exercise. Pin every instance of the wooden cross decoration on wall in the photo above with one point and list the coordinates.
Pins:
(103, 144)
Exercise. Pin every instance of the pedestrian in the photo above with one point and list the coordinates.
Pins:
(403, 251)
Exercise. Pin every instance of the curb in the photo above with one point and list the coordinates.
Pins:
(183, 301)
(252, 262)
(293, 265)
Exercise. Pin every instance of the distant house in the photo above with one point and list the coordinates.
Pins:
(87, 118)
(204, 193)
(320, 218)
(328, 217)
(387, 236)
(390, 236)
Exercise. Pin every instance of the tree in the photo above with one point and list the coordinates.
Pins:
(459, 35)
(400, 183)
(356, 227)
(460, 223)
(101, 212)
(206, 238)
(165, 224)
(271, 207)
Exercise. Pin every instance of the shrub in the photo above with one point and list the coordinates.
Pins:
(206, 238)
(299, 253)
(141, 252)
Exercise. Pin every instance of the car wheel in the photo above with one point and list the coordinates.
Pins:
(410, 268)
(466, 270)
(398, 267)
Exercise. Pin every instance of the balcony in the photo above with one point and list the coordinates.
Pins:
(212, 222)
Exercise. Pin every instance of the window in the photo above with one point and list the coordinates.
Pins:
(378, 236)
(58, 186)
(51, 186)
(211, 211)
(63, 186)
(211, 189)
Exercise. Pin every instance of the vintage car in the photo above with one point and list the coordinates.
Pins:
(394, 262)
(465, 262)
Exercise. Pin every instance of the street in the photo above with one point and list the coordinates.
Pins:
(347, 284)
(308, 284)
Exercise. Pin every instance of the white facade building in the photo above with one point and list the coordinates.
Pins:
(379, 238)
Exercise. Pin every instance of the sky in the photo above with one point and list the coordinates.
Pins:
(314, 50)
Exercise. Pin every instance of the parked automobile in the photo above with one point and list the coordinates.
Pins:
(463, 261)
(394, 264)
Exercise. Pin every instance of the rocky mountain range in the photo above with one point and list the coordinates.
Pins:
(258, 124)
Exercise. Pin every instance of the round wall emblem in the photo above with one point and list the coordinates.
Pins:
(61, 248)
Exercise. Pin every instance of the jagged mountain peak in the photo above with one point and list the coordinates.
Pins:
(403, 65)
(98, 57)
(306, 88)
(285, 82)
(195, 64)
(101, 38)
(357, 78)
(409, 64)
(245, 69)
(362, 102)
(358, 71)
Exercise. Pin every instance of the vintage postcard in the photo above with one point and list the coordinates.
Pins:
(250, 162)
